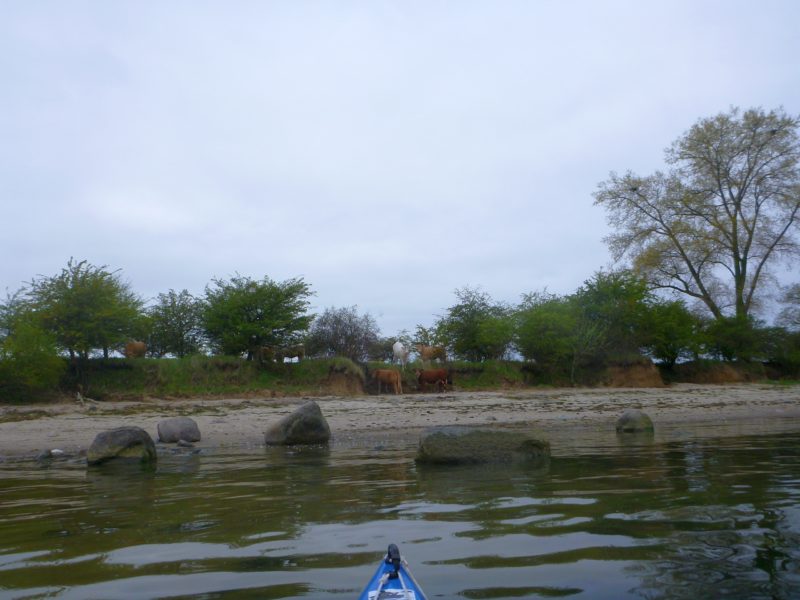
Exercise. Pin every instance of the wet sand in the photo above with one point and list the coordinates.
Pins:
(559, 413)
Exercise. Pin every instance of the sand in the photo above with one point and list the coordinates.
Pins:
(238, 423)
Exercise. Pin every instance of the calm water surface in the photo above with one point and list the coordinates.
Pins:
(681, 515)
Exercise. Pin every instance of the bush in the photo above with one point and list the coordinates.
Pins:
(30, 367)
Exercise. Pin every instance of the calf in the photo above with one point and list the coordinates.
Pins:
(391, 378)
(437, 376)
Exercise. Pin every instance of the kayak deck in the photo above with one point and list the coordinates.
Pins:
(392, 580)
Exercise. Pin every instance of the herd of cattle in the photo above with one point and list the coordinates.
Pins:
(390, 378)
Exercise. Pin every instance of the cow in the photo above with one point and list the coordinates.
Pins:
(400, 354)
(427, 353)
(290, 352)
(390, 377)
(264, 354)
(435, 376)
(135, 349)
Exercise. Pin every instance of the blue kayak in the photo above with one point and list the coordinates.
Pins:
(392, 580)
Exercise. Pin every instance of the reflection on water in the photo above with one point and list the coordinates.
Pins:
(672, 516)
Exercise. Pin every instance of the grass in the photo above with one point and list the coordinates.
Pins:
(216, 376)
(195, 376)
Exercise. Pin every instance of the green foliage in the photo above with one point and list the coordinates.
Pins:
(487, 375)
(428, 336)
(613, 309)
(86, 308)
(29, 363)
(242, 315)
(732, 338)
(175, 325)
(545, 326)
(726, 212)
(476, 328)
(782, 349)
(671, 333)
(343, 332)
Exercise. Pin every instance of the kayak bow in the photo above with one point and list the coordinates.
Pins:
(393, 580)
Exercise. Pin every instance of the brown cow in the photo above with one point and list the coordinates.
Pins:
(431, 352)
(135, 349)
(391, 378)
(437, 376)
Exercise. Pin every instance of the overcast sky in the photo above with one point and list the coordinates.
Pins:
(386, 152)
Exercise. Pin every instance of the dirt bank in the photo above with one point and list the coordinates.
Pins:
(240, 422)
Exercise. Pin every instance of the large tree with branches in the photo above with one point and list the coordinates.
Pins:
(725, 212)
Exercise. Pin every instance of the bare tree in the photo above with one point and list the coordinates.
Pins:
(727, 210)
(343, 332)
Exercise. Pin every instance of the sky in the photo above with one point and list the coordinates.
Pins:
(389, 153)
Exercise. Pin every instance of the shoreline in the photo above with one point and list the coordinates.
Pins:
(558, 413)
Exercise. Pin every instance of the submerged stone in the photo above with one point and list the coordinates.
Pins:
(467, 445)
(634, 420)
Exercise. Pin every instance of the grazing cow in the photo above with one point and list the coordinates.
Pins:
(400, 353)
(290, 352)
(431, 352)
(135, 349)
(391, 378)
(264, 354)
(435, 376)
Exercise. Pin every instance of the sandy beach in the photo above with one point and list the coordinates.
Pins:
(558, 413)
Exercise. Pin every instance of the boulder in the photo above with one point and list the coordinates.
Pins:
(633, 421)
(132, 443)
(176, 429)
(468, 445)
(306, 425)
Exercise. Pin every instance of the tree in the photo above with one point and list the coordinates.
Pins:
(789, 316)
(29, 361)
(725, 212)
(476, 328)
(731, 338)
(615, 303)
(343, 332)
(86, 308)
(545, 326)
(672, 332)
(175, 325)
(242, 315)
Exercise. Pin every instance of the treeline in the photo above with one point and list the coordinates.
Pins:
(54, 326)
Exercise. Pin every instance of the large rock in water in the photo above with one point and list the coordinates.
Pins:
(176, 429)
(468, 445)
(306, 425)
(634, 421)
(132, 443)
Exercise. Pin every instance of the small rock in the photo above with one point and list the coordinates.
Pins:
(634, 420)
(306, 425)
(178, 428)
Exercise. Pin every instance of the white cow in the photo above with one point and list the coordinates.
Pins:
(400, 353)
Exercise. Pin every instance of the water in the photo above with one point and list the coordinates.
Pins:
(682, 515)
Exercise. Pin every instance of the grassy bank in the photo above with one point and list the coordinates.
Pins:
(207, 376)
(203, 376)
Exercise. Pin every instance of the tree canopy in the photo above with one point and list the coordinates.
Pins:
(175, 325)
(86, 308)
(241, 315)
(477, 328)
(725, 212)
(343, 332)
